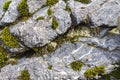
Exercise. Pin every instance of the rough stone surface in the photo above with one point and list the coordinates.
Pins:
(11, 14)
(98, 12)
(35, 32)
(34, 5)
(60, 61)
(1, 11)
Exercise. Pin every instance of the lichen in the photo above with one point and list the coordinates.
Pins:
(55, 23)
(84, 1)
(24, 75)
(49, 12)
(8, 39)
(76, 65)
(6, 5)
(92, 73)
(3, 57)
(51, 2)
(23, 9)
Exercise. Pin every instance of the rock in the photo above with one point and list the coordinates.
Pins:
(110, 42)
(34, 5)
(60, 61)
(35, 33)
(1, 10)
(97, 13)
(11, 14)
(107, 14)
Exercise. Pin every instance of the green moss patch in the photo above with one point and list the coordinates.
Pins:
(84, 1)
(67, 8)
(49, 67)
(51, 2)
(8, 39)
(49, 12)
(3, 57)
(23, 9)
(76, 65)
(24, 75)
(55, 23)
(92, 73)
(6, 5)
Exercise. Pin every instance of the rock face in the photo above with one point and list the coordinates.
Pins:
(40, 29)
(99, 12)
(60, 61)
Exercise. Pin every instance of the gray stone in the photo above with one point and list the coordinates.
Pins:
(98, 12)
(1, 10)
(36, 33)
(12, 13)
(60, 61)
(110, 42)
(34, 5)
(107, 15)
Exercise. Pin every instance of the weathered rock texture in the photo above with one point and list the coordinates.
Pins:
(103, 49)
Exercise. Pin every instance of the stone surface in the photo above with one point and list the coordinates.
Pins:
(1, 11)
(35, 32)
(34, 5)
(109, 42)
(60, 61)
(97, 13)
(11, 14)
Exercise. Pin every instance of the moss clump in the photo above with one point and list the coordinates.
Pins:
(54, 23)
(49, 12)
(84, 1)
(3, 57)
(24, 75)
(92, 73)
(67, 8)
(40, 18)
(76, 65)
(23, 9)
(6, 5)
(114, 74)
(49, 67)
(8, 39)
(51, 2)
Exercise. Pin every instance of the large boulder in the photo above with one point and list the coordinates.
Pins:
(35, 32)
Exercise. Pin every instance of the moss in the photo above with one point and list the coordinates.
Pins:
(67, 8)
(3, 57)
(8, 39)
(6, 5)
(49, 12)
(49, 67)
(76, 65)
(92, 73)
(23, 9)
(51, 2)
(55, 23)
(24, 75)
(40, 18)
(84, 1)
(114, 74)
